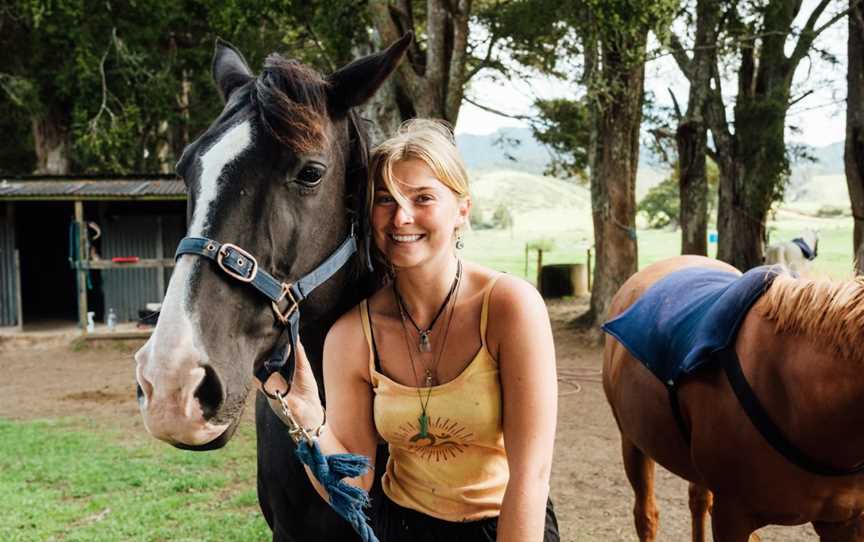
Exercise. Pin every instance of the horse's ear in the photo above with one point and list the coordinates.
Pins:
(230, 70)
(355, 83)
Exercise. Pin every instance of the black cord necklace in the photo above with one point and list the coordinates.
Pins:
(424, 342)
(431, 378)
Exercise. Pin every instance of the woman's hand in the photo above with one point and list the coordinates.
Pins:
(302, 394)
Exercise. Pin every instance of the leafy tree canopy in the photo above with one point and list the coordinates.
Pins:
(131, 80)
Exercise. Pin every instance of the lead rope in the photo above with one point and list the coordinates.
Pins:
(330, 470)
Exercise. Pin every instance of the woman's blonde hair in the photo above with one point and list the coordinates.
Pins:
(428, 140)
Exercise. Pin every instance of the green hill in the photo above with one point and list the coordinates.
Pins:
(537, 203)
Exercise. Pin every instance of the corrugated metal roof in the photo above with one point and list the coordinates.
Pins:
(83, 189)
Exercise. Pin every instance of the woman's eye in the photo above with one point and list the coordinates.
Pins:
(424, 198)
(310, 174)
(384, 199)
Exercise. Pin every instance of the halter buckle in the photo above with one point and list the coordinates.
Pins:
(223, 253)
(286, 292)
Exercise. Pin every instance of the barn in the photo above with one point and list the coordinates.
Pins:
(69, 245)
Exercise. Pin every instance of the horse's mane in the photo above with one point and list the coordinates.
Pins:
(832, 312)
(292, 103)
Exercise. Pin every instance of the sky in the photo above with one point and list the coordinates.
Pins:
(820, 115)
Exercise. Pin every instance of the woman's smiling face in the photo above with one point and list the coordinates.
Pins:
(422, 229)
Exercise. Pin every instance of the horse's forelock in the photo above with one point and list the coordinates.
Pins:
(831, 312)
(292, 103)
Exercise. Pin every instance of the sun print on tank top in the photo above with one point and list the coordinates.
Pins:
(445, 440)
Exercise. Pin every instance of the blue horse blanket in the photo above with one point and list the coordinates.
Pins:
(687, 315)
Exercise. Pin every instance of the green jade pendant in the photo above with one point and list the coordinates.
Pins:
(423, 420)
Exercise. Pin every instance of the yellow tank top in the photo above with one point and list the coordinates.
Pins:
(460, 472)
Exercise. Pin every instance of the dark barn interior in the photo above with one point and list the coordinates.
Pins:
(128, 227)
(48, 290)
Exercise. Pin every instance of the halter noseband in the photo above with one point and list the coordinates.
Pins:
(806, 250)
(240, 265)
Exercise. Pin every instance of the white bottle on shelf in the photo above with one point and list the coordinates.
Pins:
(111, 320)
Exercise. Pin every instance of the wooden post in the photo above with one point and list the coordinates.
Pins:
(160, 254)
(79, 269)
(18, 306)
(590, 275)
(539, 269)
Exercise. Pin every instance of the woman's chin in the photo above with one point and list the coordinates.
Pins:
(402, 257)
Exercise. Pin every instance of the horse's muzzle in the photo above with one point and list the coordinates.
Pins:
(178, 400)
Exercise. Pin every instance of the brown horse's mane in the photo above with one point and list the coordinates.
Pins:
(832, 312)
(292, 102)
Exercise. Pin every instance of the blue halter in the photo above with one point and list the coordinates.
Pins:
(806, 251)
(285, 297)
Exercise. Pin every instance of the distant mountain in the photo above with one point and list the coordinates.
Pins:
(507, 148)
(829, 160)
(516, 149)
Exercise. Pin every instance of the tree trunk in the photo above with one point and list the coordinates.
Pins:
(753, 163)
(763, 167)
(613, 171)
(180, 136)
(164, 156)
(428, 83)
(52, 142)
(692, 140)
(692, 134)
(854, 149)
(761, 164)
(382, 110)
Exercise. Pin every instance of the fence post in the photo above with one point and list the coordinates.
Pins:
(80, 272)
(539, 269)
(19, 308)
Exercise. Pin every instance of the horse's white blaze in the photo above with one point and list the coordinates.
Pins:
(169, 369)
(172, 345)
(223, 152)
(170, 363)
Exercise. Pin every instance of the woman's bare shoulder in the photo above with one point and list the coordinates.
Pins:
(516, 309)
(509, 293)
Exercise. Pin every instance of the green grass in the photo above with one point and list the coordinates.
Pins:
(504, 251)
(544, 207)
(61, 482)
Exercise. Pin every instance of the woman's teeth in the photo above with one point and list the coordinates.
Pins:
(406, 238)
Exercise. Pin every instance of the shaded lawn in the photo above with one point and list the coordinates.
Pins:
(61, 482)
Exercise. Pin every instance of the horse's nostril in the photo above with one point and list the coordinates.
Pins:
(143, 389)
(209, 393)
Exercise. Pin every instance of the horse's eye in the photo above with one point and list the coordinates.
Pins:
(311, 174)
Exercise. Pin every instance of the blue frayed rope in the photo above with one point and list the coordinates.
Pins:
(348, 501)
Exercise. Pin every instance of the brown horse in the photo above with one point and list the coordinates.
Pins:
(801, 349)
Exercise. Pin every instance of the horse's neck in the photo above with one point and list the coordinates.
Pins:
(813, 394)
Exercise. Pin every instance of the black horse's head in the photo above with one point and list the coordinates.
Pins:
(276, 174)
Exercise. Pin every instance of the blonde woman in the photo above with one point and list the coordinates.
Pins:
(452, 364)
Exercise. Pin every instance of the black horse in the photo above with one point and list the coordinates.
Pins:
(279, 179)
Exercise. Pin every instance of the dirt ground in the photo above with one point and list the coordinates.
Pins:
(593, 500)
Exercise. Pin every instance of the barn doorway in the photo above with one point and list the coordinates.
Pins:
(48, 290)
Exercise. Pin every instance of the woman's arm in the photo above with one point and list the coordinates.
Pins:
(350, 425)
(526, 359)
